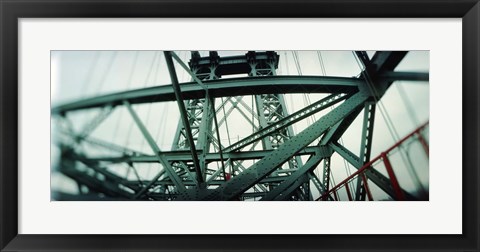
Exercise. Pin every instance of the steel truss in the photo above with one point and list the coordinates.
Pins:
(273, 163)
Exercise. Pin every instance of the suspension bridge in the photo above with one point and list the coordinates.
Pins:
(242, 131)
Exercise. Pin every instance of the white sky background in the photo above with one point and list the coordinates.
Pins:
(82, 74)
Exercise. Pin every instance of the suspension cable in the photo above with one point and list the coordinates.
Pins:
(129, 80)
(104, 76)
(383, 112)
(91, 70)
(128, 86)
(306, 99)
(155, 55)
(154, 81)
(291, 96)
(324, 72)
(297, 62)
(412, 114)
(226, 123)
(322, 64)
(165, 107)
(407, 103)
(286, 63)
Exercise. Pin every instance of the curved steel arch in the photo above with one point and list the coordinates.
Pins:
(221, 88)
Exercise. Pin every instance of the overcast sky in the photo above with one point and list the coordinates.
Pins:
(82, 74)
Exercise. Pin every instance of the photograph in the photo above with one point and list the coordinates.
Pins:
(252, 125)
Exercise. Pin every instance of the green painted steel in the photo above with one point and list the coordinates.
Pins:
(184, 116)
(262, 168)
(277, 171)
(221, 88)
(366, 144)
(288, 120)
(158, 153)
(375, 176)
(314, 160)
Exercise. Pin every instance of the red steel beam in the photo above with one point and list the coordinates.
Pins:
(393, 179)
(367, 188)
(367, 165)
(348, 192)
(424, 143)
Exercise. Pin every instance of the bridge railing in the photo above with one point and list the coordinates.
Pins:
(333, 193)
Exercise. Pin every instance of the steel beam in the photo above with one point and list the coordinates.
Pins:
(280, 191)
(237, 185)
(204, 137)
(404, 76)
(316, 181)
(271, 108)
(296, 187)
(185, 67)
(221, 88)
(183, 155)
(183, 113)
(156, 150)
(365, 144)
(190, 182)
(383, 61)
(61, 196)
(376, 177)
(287, 121)
(326, 174)
(336, 132)
(102, 115)
(107, 145)
(109, 185)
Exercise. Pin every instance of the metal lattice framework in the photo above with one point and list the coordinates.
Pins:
(273, 163)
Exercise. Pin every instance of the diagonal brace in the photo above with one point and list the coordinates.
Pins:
(183, 112)
(236, 186)
(311, 163)
(156, 150)
(287, 121)
(376, 177)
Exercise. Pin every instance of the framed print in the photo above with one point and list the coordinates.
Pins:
(256, 126)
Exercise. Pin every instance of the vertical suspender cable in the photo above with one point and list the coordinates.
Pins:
(91, 70)
(104, 77)
(150, 104)
(408, 105)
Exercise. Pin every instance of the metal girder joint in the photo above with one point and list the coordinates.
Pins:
(281, 191)
(288, 120)
(381, 63)
(375, 176)
(156, 150)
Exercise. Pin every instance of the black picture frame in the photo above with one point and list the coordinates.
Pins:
(11, 11)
